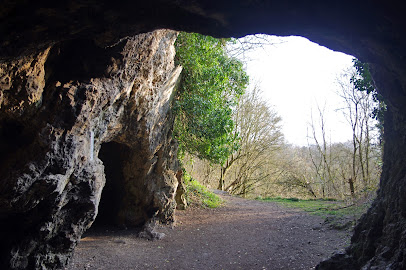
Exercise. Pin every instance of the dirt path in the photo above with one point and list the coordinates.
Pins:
(243, 234)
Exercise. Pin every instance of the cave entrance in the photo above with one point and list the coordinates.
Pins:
(113, 155)
(303, 120)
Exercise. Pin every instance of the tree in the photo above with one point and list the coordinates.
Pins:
(361, 107)
(258, 126)
(320, 154)
(241, 48)
(363, 82)
(210, 87)
(296, 173)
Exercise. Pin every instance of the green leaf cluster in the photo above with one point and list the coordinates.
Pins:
(211, 85)
(363, 80)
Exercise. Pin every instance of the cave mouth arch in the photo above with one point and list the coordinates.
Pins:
(113, 155)
(372, 31)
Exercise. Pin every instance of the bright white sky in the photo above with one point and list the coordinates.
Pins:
(295, 76)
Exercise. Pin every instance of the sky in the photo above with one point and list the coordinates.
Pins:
(296, 76)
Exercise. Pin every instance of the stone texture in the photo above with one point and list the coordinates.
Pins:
(373, 31)
(180, 198)
(51, 183)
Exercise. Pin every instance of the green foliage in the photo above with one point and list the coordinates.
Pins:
(211, 85)
(197, 194)
(363, 81)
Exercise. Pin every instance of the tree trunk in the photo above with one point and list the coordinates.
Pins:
(351, 182)
(221, 180)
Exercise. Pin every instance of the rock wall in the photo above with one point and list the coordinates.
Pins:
(68, 114)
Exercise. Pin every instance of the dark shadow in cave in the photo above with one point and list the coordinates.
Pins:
(15, 138)
(114, 155)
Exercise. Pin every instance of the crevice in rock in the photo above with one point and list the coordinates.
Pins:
(114, 156)
(13, 136)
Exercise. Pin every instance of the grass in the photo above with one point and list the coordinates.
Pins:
(198, 195)
(337, 214)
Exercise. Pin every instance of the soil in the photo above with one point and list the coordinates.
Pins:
(242, 234)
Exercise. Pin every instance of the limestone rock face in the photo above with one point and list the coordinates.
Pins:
(74, 117)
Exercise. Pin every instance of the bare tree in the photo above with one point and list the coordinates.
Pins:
(260, 134)
(240, 48)
(321, 157)
(296, 174)
(358, 108)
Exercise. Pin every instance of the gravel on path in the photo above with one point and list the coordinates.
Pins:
(242, 234)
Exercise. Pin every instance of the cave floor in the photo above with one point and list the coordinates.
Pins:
(242, 234)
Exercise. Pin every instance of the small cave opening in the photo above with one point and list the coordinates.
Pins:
(15, 139)
(113, 155)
